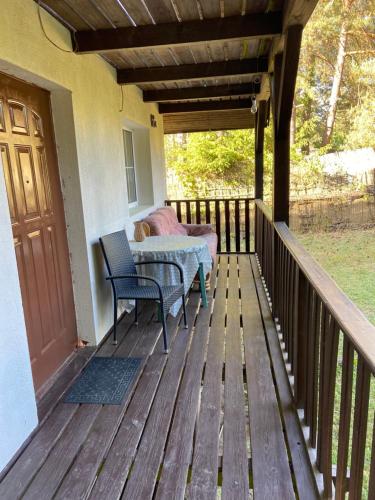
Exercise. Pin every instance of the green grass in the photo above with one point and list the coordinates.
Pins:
(349, 257)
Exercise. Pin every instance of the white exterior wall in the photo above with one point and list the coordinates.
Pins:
(85, 103)
(17, 403)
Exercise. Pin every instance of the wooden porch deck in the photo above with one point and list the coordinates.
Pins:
(214, 417)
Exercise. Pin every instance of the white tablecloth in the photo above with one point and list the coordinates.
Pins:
(188, 251)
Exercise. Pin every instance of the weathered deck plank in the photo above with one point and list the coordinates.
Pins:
(146, 465)
(67, 376)
(271, 472)
(71, 371)
(35, 454)
(39, 450)
(113, 475)
(177, 457)
(164, 440)
(235, 460)
(77, 483)
(62, 455)
(205, 461)
(304, 480)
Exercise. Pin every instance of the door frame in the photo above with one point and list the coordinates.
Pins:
(68, 167)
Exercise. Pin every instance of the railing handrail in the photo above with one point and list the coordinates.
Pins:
(349, 317)
(320, 330)
(265, 209)
(184, 200)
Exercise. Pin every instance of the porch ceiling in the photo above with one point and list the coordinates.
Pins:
(198, 49)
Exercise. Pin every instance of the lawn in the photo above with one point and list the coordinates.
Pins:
(349, 257)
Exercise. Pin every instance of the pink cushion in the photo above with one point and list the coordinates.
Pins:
(164, 221)
(198, 229)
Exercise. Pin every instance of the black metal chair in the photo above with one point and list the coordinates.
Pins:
(124, 280)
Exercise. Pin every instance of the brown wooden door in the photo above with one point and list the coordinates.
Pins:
(37, 215)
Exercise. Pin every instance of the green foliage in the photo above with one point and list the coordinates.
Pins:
(225, 159)
(222, 158)
(362, 131)
(306, 173)
(353, 127)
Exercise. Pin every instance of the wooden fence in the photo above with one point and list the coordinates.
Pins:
(330, 349)
(328, 214)
(232, 219)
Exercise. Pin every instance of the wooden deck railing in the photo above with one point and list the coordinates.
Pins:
(230, 217)
(330, 348)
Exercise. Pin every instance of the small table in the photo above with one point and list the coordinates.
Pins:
(190, 252)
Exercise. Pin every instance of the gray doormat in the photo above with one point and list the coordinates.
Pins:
(104, 381)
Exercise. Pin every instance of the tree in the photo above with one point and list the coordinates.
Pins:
(334, 109)
(337, 41)
(223, 158)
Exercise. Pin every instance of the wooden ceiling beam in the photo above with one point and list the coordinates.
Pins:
(201, 92)
(188, 107)
(208, 120)
(169, 34)
(297, 12)
(192, 71)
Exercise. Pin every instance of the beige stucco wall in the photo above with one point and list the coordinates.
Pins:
(18, 415)
(86, 101)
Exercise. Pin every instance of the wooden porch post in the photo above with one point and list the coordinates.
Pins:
(282, 95)
(259, 147)
(284, 81)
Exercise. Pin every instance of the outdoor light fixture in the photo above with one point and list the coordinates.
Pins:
(254, 107)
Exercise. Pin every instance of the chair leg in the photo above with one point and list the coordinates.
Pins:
(184, 309)
(160, 313)
(114, 320)
(136, 313)
(165, 332)
(202, 285)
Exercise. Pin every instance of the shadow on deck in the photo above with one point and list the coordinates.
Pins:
(214, 416)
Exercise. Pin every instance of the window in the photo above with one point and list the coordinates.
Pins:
(130, 167)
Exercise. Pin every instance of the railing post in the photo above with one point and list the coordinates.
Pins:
(302, 332)
(273, 272)
(256, 228)
(247, 227)
(259, 144)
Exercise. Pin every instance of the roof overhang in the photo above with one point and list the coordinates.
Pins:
(201, 60)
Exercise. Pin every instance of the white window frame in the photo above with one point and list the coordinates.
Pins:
(133, 204)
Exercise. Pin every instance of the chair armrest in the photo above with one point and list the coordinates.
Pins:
(138, 276)
(198, 229)
(164, 262)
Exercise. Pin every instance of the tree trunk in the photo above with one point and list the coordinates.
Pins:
(339, 66)
(293, 124)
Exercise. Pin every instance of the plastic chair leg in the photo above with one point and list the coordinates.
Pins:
(202, 285)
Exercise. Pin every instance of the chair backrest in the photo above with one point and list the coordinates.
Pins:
(118, 257)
